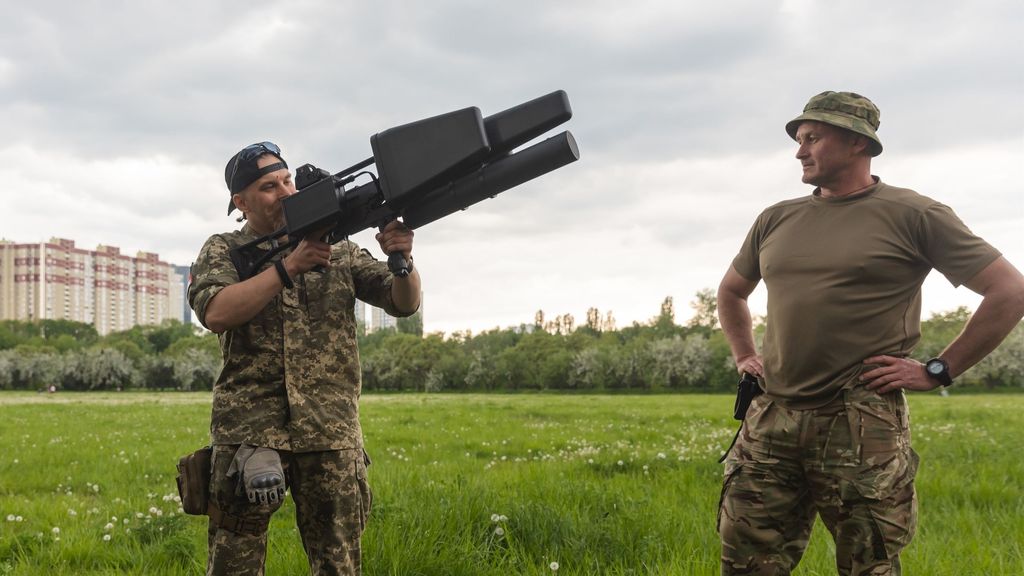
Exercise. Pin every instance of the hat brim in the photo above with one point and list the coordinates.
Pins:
(856, 125)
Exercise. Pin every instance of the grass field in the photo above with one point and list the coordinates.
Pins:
(480, 485)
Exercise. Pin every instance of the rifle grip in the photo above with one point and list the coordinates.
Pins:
(396, 260)
(397, 264)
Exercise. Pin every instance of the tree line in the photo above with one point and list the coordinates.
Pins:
(71, 355)
(551, 353)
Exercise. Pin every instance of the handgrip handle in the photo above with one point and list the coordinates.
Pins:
(396, 260)
(398, 265)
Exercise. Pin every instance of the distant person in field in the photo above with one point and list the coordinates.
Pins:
(843, 266)
(286, 404)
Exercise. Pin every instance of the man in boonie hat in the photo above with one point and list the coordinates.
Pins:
(285, 405)
(846, 110)
(843, 266)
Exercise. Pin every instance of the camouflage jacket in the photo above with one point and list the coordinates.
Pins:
(291, 378)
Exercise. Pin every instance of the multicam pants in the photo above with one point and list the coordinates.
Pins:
(849, 462)
(332, 501)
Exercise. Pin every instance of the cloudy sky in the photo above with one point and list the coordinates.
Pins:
(117, 119)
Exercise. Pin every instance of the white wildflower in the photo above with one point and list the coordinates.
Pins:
(553, 566)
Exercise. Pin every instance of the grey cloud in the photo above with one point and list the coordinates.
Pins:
(679, 108)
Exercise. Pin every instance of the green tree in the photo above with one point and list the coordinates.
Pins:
(411, 324)
(394, 364)
(99, 368)
(721, 367)
(208, 343)
(84, 334)
(593, 367)
(1004, 366)
(195, 368)
(705, 311)
(593, 320)
(939, 330)
(538, 361)
(157, 372)
(664, 324)
(136, 336)
(167, 333)
(677, 362)
(8, 338)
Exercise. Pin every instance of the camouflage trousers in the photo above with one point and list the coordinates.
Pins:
(849, 462)
(332, 501)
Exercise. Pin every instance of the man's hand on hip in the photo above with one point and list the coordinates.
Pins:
(895, 373)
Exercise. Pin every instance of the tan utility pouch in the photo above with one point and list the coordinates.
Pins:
(194, 481)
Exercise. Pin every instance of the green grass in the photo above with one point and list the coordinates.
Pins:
(599, 484)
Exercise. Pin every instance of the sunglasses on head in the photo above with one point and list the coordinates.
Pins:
(252, 152)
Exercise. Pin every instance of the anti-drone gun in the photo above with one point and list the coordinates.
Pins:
(426, 170)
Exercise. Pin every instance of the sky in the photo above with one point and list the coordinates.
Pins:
(117, 118)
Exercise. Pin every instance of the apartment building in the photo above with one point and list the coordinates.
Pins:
(373, 318)
(112, 291)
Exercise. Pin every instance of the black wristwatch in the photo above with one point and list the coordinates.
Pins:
(938, 369)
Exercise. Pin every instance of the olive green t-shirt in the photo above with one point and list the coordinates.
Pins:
(844, 282)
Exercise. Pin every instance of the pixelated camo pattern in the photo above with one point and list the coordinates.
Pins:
(332, 504)
(291, 378)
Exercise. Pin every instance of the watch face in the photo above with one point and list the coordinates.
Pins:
(934, 368)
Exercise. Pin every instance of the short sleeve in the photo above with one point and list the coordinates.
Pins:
(211, 272)
(373, 280)
(950, 247)
(748, 261)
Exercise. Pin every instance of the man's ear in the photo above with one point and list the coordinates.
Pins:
(239, 199)
(861, 145)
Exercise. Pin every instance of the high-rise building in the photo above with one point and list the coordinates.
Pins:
(57, 281)
(185, 272)
(379, 319)
(360, 313)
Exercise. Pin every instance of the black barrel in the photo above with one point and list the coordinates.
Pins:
(493, 179)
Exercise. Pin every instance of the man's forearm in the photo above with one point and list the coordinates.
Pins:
(405, 292)
(737, 324)
(995, 318)
(237, 304)
(1002, 306)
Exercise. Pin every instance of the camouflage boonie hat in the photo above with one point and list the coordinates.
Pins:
(846, 110)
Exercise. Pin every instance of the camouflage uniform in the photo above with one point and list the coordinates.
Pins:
(291, 381)
(332, 501)
(849, 461)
